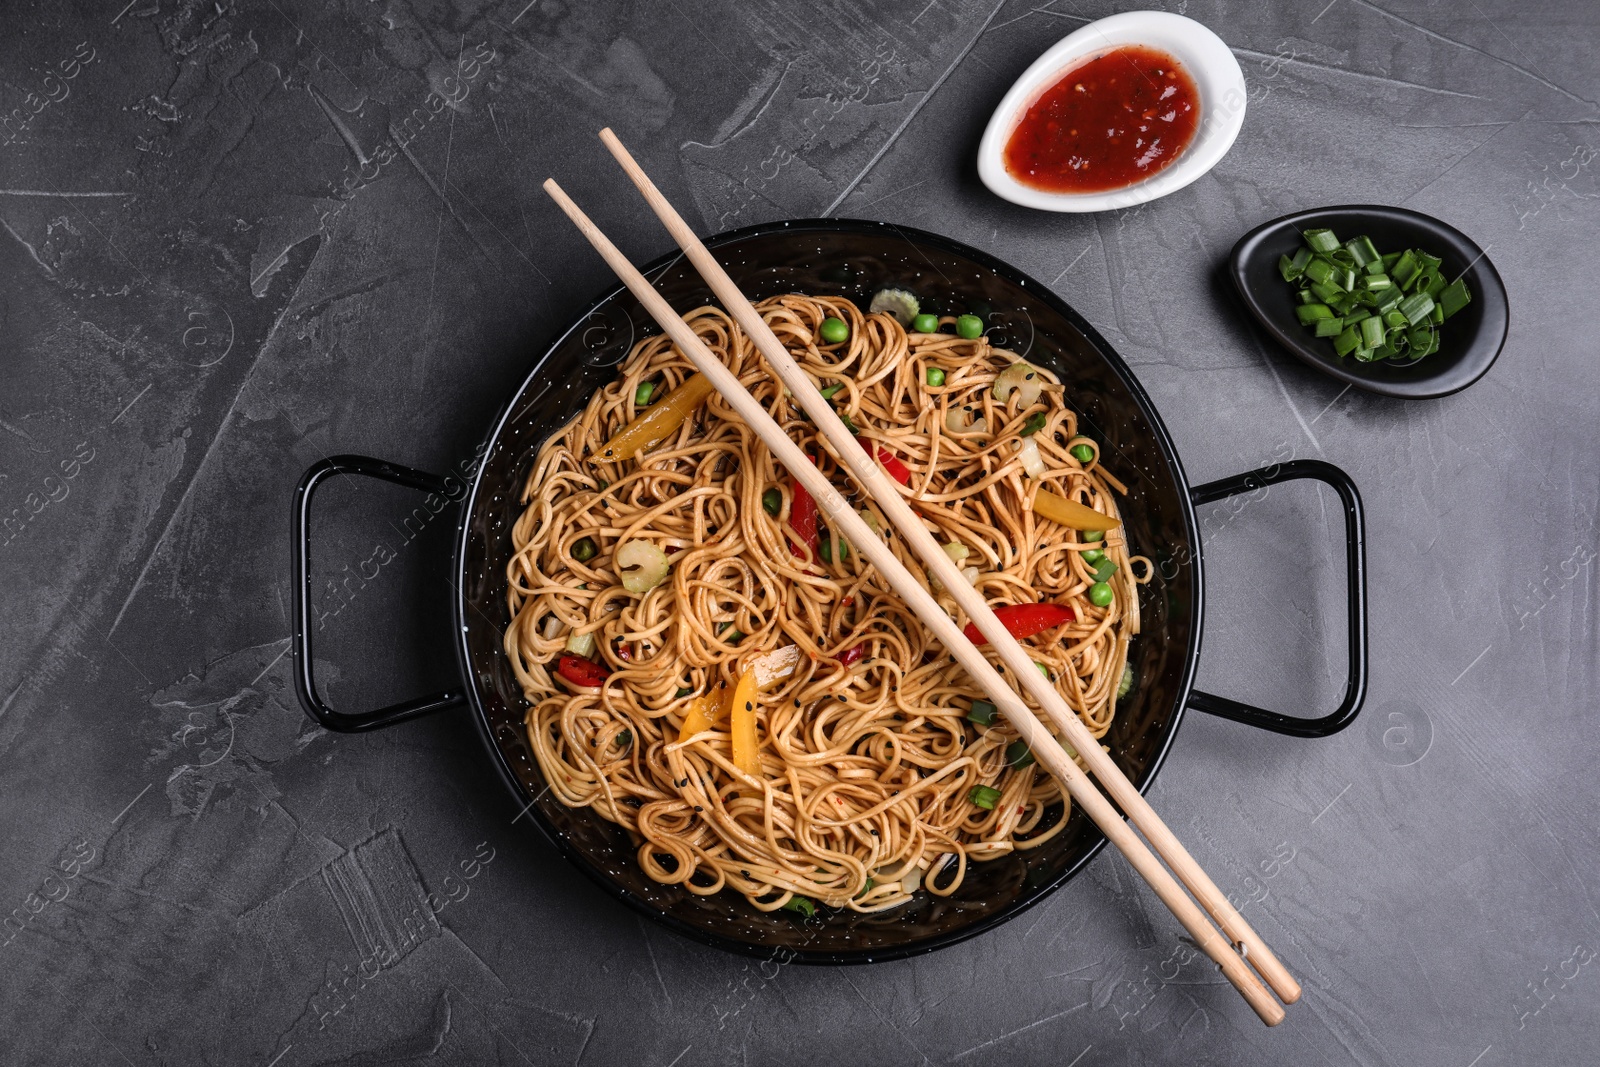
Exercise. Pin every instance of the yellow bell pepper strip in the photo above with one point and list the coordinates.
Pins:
(1070, 513)
(746, 753)
(658, 422)
(699, 716)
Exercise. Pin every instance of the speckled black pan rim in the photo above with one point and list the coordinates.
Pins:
(1252, 266)
(922, 946)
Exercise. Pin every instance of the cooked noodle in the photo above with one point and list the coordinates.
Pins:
(867, 768)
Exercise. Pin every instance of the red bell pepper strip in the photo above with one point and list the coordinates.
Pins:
(1023, 620)
(851, 655)
(583, 672)
(803, 518)
(891, 463)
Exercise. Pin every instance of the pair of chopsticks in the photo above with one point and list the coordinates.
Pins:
(1235, 963)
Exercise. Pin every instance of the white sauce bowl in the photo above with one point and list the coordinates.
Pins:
(1217, 78)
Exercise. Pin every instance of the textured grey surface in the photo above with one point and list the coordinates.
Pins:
(203, 290)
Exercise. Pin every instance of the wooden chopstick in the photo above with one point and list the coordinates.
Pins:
(867, 472)
(844, 520)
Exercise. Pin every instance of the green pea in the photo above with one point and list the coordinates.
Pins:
(925, 324)
(1093, 556)
(826, 550)
(1082, 453)
(584, 549)
(641, 395)
(1091, 535)
(969, 327)
(1100, 594)
(834, 330)
(772, 502)
(935, 376)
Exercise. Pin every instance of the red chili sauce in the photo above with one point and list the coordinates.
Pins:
(1114, 121)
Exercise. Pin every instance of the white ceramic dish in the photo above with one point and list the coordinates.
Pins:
(1209, 62)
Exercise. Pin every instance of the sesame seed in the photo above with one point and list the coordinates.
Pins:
(749, 706)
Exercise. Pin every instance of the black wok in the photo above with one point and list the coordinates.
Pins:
(852, 258)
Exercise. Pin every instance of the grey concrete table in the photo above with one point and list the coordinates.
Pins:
(202, 291)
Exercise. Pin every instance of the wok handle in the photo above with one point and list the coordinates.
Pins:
(305, 682)
(1355, 534)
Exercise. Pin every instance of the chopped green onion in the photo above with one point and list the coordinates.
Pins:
(1082, 453)
(1370, 304)
(1125, 686)
(935, 375)
(1371, 332)
(1018, 754)
(984, 796)
(828, 391)
(772, 502)
(1327, 292)
(1310, 313)
(982, 713)
(1034, 424)
(1363, 251)
(1454, 297)
(625, 738)
(641, 395)
(901, 303)
(1319, 270)
(801, 904)
(1321, 240)
(584, 549)
(681, 693)
(1416, 307)
(1045, 671)
(1405, 268)
(1104, 570)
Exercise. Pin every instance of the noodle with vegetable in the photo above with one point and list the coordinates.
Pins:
(711, 669)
